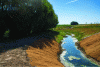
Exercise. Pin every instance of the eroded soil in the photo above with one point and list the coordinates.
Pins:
(90, 46)
(41, 53)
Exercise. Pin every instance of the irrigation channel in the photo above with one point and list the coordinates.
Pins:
(72, 57)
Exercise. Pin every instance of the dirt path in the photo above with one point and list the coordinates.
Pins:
(15, 57)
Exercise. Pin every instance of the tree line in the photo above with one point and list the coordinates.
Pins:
(22, 16)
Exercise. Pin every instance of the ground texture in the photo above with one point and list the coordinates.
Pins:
(90, 46)
(43, 53)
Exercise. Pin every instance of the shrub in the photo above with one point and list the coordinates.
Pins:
(3, 26)
(74, 23)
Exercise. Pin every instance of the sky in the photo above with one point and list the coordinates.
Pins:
(82, 11)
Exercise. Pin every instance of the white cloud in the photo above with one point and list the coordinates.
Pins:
(72, 1)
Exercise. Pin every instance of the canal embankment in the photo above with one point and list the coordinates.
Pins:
(90, 47)
(73, 56)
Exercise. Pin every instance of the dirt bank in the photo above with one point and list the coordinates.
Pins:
(44, 53)
(90, 46)
(41, 53)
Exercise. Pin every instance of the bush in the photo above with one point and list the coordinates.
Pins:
(3, 26)
(74, 23)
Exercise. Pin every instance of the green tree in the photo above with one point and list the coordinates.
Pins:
(47, 19)
(74, 23)
(35, 15)
(2, 3)
(3, 17)
(3, 26)
(19, 18)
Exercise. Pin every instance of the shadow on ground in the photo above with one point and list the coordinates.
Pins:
(20, 42)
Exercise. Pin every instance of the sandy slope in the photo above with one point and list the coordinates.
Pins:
(91, 46)
(43, 53)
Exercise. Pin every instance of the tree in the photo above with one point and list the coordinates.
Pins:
(35, 15)
(3, 26)
(47, 19)
(18, 17)
(2, 3)
(74, 23)
(4, 16)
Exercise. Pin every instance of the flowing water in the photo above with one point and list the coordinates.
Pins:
(72, 57)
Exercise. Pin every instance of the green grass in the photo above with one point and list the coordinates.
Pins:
(77, 30)
(6, 34)
(60, 36)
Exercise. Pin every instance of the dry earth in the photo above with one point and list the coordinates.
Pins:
(43, 53)
(90, 46)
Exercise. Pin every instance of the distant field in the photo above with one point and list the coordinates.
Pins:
(80, 31)
(81, 25)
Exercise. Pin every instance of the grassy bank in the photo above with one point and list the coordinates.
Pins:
(80, 31)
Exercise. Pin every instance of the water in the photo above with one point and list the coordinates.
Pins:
(73, 57)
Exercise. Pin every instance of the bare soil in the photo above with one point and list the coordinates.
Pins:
(44, 53)
(90, 46)
(41, 53)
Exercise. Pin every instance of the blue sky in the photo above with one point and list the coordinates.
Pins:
(81, 11)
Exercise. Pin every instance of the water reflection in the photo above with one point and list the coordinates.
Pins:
(72, 57)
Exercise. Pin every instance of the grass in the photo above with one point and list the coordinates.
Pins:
(80, 31)
(60, 36)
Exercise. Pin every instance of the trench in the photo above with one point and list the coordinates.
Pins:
(72, 57)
